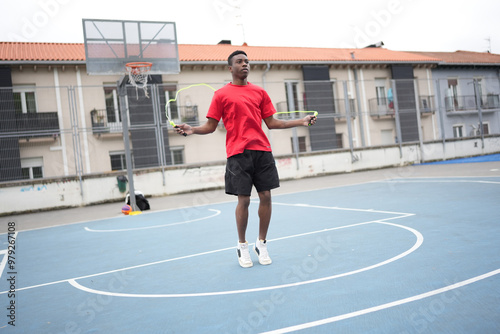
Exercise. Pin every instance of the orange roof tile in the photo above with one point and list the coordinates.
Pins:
(202, 53)
(14, 51)
(20, 51)
(463, 57)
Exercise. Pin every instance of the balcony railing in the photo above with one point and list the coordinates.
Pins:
(337, 110)
(385, 107)
(340, 108)
(426, 104)
(43, 124)
(468, 103)
(101, 122)
(381, 107)
(185, 114)
(282, 107)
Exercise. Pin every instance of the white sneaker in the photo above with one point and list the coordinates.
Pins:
(261, 249)
(244, 255)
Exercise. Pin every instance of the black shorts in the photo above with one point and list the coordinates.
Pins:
(251, 168)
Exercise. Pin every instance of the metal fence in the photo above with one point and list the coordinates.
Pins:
(68, 131)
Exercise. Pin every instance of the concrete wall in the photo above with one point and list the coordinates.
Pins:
(71, 192)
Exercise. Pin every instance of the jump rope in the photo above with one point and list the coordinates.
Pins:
(167, 106)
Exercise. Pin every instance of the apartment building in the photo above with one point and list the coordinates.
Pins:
(58, 121)
(469, 86)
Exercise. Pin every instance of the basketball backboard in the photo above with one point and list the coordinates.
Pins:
(110, 44)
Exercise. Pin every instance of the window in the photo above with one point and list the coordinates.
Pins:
(177, 155)
(301, 143)
(340, 140)
(334, 94)
(32, 168)
(118, 160)
(387, 137)
(292, 100)
(486, 129)
(113, 113)
(458, 131)
(476, 132)
(292, 95)
(380, 92)
(112, 110)
(24, 100)
(452, 98)
(478, 91)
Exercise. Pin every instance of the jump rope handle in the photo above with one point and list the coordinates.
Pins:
(314, 116)
(184, 134)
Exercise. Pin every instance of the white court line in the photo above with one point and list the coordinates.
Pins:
(121, 216)
(4, 261)
(6, 255)
(383, 306)
(440, 181)
(382, 180)
(217, 212)
(200, 254)
(417, 244)
(443, 177)
(345, 209)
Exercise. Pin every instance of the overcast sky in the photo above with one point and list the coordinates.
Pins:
(411, 25)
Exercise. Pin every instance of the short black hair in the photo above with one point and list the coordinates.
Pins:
(237, 52)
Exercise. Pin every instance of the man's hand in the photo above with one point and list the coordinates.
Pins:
(208, 127)
(310, 120)
(183, 129)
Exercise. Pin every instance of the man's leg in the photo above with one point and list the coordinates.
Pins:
(242, 216)
(265, 209)
(265, 217)
(241, 225)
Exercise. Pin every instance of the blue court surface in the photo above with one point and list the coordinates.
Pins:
(403, 255)
(476, 159)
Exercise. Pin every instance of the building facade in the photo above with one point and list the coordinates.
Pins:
(58, 121)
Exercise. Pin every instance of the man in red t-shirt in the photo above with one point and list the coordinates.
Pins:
(242, 107)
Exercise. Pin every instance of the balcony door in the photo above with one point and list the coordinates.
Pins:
(382, 96)
(452, 98)
(113, 115)
(25, 100)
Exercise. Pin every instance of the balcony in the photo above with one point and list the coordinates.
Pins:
(43, 124)
(185, 114)
(383, 107)
(467, 103)
(282, 109)
(106, 121)
(337, 110)
(101, 124)
(340, 112)
(426, 104)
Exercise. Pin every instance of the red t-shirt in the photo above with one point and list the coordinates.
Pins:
(242, 109)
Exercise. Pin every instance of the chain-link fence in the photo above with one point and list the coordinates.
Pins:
(72, 131)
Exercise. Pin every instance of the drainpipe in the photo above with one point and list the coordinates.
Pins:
(358, 102)
(264, 75)
(268, 67)
(498, 114)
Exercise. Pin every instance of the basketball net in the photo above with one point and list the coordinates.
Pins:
(138, 73)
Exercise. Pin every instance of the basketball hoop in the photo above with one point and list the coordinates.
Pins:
(138, 75)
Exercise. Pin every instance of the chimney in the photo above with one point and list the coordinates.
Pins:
(225, 41)
(376, 45)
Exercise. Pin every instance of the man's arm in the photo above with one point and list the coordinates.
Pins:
(273, 123)
(208, 127)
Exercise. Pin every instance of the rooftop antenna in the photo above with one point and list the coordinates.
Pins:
(489, 44)
(240, 17)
